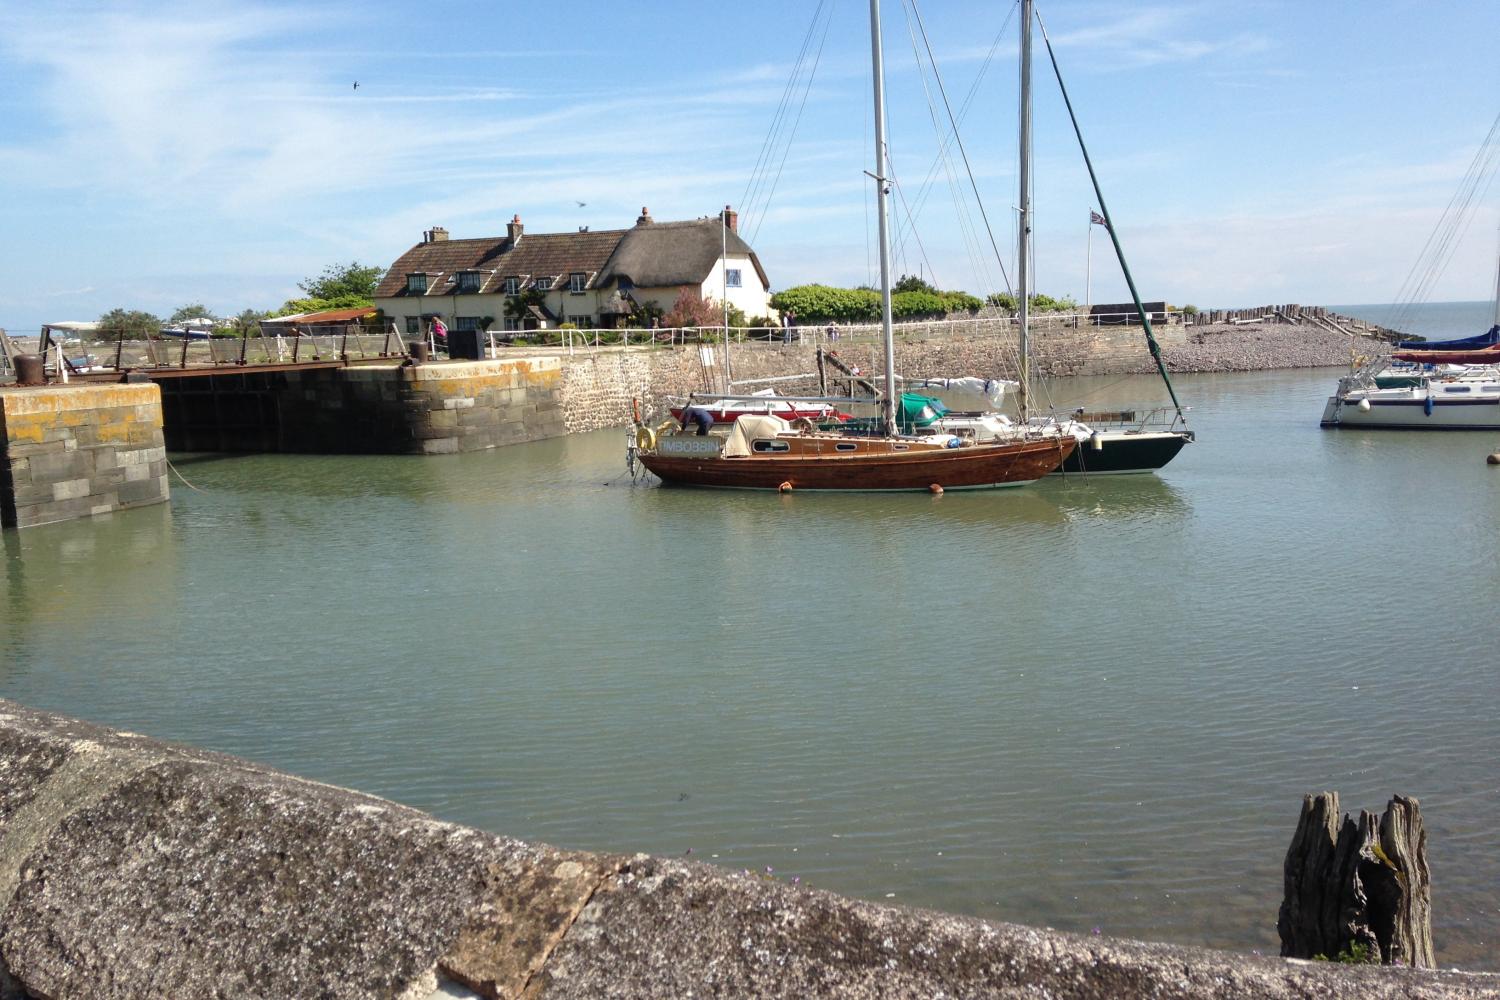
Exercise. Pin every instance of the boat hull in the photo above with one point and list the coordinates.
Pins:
(1413, 414)
(1125, 453)
(972, 467)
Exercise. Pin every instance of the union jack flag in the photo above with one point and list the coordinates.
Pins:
(1095, 219)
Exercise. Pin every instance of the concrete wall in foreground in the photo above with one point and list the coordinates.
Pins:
(131, 868)
(71, 451)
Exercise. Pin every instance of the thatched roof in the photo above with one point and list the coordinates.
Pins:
(651, 254)
(533, 256)
(662, 254)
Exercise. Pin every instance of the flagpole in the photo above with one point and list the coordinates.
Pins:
(1088, 272)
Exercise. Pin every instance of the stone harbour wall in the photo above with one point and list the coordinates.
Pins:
(432, 409)
(72, 451)
(131, 868)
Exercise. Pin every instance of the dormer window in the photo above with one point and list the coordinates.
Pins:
(543, 284)
(576, 281)
(416, 284)
(512, 285)
(469, 282)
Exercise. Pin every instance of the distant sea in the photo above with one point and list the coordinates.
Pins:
(1434, 320)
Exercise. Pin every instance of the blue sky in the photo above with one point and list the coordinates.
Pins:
(157, 153)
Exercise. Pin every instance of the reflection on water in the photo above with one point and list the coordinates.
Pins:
(1088, 702)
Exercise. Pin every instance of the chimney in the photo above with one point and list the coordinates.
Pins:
(514, 229)
(437, 234)
(645, 217)
(731, 219)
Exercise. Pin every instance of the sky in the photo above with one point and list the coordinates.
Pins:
(156, 154)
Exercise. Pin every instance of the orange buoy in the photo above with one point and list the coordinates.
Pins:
(935, 490)
(785, 487)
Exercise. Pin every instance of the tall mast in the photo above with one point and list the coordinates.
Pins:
(1023, 265)
(882, 189)
(1497, 288)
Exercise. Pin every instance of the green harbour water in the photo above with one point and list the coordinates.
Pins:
(1084, 703)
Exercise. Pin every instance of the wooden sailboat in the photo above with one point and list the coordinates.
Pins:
(765, 452)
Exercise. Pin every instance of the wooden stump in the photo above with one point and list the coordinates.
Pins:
(1355, 891)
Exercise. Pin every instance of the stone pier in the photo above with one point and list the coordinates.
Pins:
(131, 868)
(71, 451)
(385, 408)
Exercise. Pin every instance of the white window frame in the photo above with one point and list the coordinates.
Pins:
(732, 277)
(512, 285)
(576, 282)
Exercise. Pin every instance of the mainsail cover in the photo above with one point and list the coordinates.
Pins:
(1483, 340)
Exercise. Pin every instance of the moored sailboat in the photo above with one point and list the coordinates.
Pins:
(1447, 386)
(765, 452)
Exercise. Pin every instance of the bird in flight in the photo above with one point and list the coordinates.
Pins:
(356, 84)
(582, 204)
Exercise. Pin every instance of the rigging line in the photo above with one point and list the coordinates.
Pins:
(901, 193)
(970, 240)
(768, 144)
(1407, 295)
(1453, 226)
(792, 136)
(963, 110)
(943, 91)
(1151, 344)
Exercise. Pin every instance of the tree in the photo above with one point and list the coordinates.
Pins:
(247, 323)
(131, 324)
(692, 310)
(912, 283)
(193, 310)
(340, 281)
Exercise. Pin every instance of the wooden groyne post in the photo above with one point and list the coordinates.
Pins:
(1358, 891)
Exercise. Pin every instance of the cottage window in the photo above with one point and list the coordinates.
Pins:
(732, 277)
(413, 325)
(466, 324)
(544, 284)
(625, 284)
(416, 284)
(511, 325)
(576, 281)
(469, 282)
(512, 285)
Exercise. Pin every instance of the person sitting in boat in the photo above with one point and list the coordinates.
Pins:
(697, 415)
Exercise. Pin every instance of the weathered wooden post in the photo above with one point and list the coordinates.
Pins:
(1358, 891)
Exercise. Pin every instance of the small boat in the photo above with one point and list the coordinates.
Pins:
(1444, 404)
(1443, 388)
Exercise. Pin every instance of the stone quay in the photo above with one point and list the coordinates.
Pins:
(132, 868)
